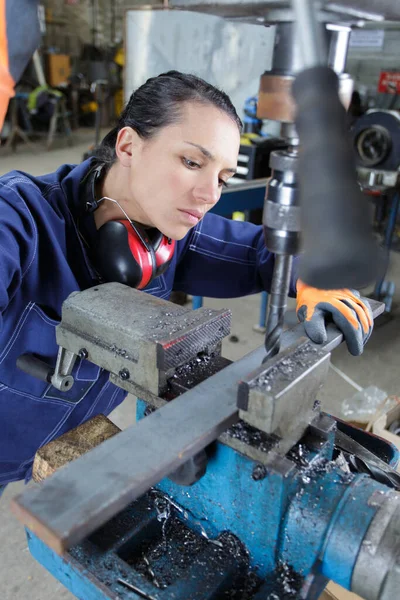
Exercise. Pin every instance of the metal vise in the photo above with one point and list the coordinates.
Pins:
(139, 339)
(278, 512)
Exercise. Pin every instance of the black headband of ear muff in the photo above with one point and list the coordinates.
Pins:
(90, 179)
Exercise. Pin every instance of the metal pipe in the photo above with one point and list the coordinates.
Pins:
(38, 68)
(339, 38)
(286, 58)
(289, 133)
(309, 33)
(394, 209)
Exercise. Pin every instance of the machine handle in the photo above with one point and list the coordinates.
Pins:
(30, 364)
(339, 249)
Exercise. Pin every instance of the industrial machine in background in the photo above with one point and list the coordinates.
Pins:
(97, 88)
(376, 142)
(234, 484)
(376, 138)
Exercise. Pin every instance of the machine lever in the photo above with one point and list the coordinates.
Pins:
(339, 250)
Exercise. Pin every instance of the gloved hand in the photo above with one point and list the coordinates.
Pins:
(344, 307)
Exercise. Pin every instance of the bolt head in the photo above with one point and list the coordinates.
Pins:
(259, 472)
(124, 374)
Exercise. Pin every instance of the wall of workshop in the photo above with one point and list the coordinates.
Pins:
(72, 25)
(98, 22)
(365, 64)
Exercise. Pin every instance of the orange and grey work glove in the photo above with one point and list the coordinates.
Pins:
(344, 307)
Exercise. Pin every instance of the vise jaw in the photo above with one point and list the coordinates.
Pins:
(279, 398)
(138, 338)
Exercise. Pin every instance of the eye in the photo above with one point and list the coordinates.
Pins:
(190, 164)
(223, 183)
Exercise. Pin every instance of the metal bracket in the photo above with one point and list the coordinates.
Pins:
(62, 379)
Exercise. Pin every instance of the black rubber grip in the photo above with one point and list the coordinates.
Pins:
(35, 366)
(339, 249)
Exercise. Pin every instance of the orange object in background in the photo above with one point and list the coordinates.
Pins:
(58, 69)
(6, 81)
(19, 38)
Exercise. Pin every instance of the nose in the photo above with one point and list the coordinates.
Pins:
(208, 190)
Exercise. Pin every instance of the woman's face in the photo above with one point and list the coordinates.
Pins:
(178, 175)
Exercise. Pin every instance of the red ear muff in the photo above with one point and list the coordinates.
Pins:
(129, 256)
(164, 250)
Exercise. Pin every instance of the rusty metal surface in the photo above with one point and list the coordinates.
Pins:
(275, 100)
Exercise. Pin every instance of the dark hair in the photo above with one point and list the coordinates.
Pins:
(156, 104)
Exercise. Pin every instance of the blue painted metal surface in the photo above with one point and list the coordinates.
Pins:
(252, 510)
(350, 523)
(327, 519)
(78, 580)
(313, 516)
(197, 302)
(296, 520)
(111, 564)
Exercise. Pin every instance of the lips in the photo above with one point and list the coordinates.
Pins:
(191, 216)
(194, 213)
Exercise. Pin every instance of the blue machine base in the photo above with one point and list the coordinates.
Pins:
(242, 531)
(142, 554)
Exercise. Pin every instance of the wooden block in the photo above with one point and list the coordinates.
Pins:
(336, 592)
(72, 445)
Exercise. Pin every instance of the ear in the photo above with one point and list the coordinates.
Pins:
(128, 141)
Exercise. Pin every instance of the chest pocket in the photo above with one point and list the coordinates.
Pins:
(34, 333)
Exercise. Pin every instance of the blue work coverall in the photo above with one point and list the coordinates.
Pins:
(44, 239)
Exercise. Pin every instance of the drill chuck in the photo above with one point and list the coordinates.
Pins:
(281, 219)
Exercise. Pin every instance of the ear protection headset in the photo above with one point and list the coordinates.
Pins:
(125, 251)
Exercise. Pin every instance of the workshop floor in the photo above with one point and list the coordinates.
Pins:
(20, 576)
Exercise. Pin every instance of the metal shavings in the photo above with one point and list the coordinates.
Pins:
(135, 589)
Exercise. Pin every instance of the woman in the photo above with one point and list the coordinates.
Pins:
(137, 214)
